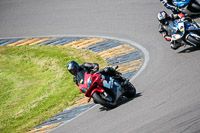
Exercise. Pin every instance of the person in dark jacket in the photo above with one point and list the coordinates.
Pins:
(73, 67)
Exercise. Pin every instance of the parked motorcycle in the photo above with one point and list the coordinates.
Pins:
(104, 90)
(185, 31)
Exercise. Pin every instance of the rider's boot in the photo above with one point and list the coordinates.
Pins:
(175, 45)
(123, 81)
(112, 72)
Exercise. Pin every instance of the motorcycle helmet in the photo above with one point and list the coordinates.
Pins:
(162, 17)
(73, 67)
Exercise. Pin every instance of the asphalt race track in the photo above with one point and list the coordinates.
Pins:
(168, 88)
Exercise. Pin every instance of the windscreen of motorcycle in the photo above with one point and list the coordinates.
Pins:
(81, 81)
(80, 77)
(171, 28)
(84, 81)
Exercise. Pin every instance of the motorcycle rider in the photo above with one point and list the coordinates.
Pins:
(73, 67)
(193, 6)
(169, 5)
(164, 20)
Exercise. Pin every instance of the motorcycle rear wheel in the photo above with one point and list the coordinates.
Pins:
(131, 91)
(97, 98)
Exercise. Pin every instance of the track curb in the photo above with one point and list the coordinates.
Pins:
(131, 58)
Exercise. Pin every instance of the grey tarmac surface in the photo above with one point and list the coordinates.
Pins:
(169, 87)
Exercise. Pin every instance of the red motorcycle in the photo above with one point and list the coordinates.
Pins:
(104, 90)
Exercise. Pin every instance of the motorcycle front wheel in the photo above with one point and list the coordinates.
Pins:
(130, 91)
(97, 98)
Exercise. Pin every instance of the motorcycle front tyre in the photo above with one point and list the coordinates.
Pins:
(97, 98)
(131, 92)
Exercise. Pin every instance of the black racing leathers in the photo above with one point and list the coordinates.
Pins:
(110, 71)
(94, 67)
(90, 67)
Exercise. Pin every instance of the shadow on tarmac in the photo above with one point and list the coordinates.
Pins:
(189, 50)
(123, 101)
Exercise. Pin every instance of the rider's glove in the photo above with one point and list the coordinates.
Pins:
(176, 10)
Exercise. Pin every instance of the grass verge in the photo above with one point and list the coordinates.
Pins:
(35, 84)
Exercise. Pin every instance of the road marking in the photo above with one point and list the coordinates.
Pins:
(27, 42)
(40, 41)
(116, 51)
(130, 66)
(44, 129)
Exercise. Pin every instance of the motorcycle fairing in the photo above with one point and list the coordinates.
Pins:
(98, 89)
(193, 29)
(186, 29)
(181, 26)
(181, 3)
(112, 84)
(80, 77)
(84, 81)
(90, 83)
(171, 28)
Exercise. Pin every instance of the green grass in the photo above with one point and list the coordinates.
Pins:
(35, 84)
